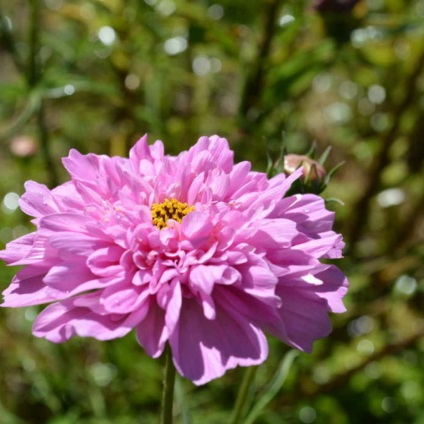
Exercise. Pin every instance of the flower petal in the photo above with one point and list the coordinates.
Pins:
(63, 320)
(303, 318)
(152, 332)
(205, 349)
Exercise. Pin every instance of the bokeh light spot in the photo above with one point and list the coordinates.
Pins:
(201, 65)
(376, 94)
(285, 20)
(391, 197)
(365, 347)
(132, 82)
(307, 415)
(69, 89)
(215, 12)
(107, 35)
(175, 45)
(406, 285)
(10, 202)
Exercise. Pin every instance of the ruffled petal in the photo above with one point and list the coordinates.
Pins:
(243, 261)
(303, 317)
(37, 201)
(205, 349)
(18, 249)
(152, 333)
(61, 321)
(27, 288)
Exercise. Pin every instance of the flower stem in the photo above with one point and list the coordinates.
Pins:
(242, 395)
(168, 389)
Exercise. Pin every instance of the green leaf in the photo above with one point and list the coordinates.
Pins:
(274, 386)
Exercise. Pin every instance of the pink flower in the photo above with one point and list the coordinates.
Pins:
(190, 250)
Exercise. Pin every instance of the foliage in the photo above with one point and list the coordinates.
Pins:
(97, 74)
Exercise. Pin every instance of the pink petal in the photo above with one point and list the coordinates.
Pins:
(303, 318)
(27, 288)
(105, 261)
(71, 244)
(173, 305)
(152, 332)
(122, 298)
(140, 151)
(18, 249)
(274, 233)
(65, 222)
(203, 277)
(196, 228)
(37, 201)
(61, 321)
(319, 248)
(333, 289)
(308, 211)
(205, 349)
(82, 167)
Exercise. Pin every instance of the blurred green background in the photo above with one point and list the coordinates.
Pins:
(97, 74)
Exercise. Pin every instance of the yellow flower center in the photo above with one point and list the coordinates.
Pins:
(169, 209)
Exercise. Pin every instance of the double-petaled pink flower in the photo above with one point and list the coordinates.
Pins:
(191, 250)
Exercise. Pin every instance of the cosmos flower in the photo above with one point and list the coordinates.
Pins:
(191, 250)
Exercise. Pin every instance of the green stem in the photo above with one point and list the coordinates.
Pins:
(242, 395)
(168, 389)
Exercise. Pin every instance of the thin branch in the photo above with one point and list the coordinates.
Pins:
(255, 81)
(44, 138)
(7, 42)
(341, 380)
(389, 349)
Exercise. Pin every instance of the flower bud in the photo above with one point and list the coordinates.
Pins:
(313, 179)
(23, 146)
(312, 169)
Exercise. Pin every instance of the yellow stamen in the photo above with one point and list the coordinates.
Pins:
(169, 209)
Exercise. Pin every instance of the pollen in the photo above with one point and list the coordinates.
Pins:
(169, 209)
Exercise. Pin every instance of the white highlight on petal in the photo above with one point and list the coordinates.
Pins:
(311, 279)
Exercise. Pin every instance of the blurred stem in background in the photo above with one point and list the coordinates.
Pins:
(381, 161)
(34, 80)
(255, 80)
(8, 43)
